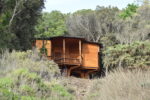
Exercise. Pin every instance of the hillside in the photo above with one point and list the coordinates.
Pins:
(118, 85)
(29, 76)
(124, 53)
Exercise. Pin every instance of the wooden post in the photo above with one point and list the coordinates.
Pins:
(70, 69)
(82, 75)
(80, 51)
(86, 76)
(64, 49)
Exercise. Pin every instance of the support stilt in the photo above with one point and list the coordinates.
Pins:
(70, 69)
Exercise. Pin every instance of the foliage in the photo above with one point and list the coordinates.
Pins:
(134, 29)
(92, 25)
(27, 76)
(43, 50)
(128, 11)
(61, 90)
(6, 37)
(83, 11)
(134, 55)
(121, 85)
(32, 61)
(51, 24)
(110, 25)
(17, 21)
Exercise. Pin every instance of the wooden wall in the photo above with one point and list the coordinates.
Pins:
(90, 56)
(47, 44)
(57, 48)
(48, 47)
(72, 48)
(39, 44)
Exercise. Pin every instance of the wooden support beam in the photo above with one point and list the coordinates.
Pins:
(80, 51)
(64, 51)
(70, 69)
(64, 72)
(50, 44)
(82, 75)
(88, 73)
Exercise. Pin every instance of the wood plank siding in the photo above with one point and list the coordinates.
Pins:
(90, 56)
(75, 54)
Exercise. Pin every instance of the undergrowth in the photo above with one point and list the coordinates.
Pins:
(121, 85)
(28, 76)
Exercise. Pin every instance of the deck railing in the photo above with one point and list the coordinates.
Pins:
(70, 61)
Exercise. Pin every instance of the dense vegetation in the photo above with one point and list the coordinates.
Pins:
(135, 55)
(51, 24)
(121, 85)
(29, 76)
(17, 21)
(26, 75)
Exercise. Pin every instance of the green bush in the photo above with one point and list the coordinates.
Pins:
(30, 60)
(62, 91)
(121, 85)
(27, 76)
(133, 55)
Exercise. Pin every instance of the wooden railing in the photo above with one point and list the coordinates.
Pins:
(70, 61)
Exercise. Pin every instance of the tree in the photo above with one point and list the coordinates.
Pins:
(1, 6)
(5, 14)
(51, 24)
(83, 11)
(83, 26)
(135, 28)
(18, 19)
(92, 25)
(143, 2)
(129, 11)
(134, 55)
(24, 23)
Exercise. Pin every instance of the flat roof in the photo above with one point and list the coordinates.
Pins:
(71, 37)
(55, 37)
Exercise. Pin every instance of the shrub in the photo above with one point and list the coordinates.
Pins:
(135, 55)
(121, 85)
(28, 76)
(30, 60)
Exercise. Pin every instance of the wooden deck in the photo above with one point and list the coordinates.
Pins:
(73, 55)
(67, 61)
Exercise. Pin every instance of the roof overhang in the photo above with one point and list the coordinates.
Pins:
(69, 37)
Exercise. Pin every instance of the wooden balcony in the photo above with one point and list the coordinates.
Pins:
(67, 61)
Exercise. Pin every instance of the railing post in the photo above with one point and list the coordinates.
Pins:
(80, 51)
(64, 49)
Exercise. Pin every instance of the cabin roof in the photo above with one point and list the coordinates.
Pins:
(58, 37)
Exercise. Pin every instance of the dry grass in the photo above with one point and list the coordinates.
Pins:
(77, 86)
(118, 85)
(122, 85)
(28, 60)
(27, 76)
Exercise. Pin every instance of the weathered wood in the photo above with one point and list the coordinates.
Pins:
(75, 55)
(64, 51)
(90, 56)
(80, 51)
(70, 69)
(47, 44)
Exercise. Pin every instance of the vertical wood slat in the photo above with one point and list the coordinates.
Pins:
(80, 51)
(64, 49)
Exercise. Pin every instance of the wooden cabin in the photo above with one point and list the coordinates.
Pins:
(75, 56)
